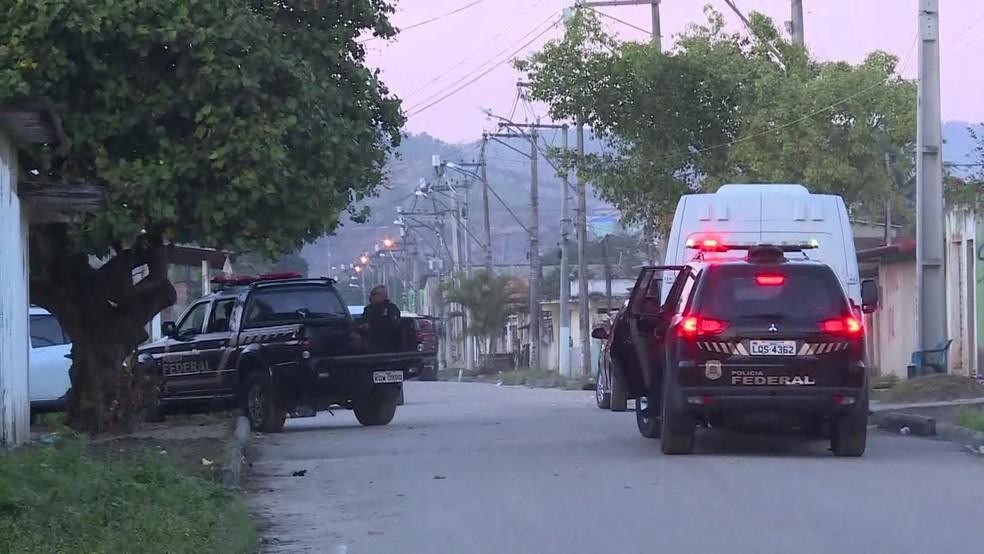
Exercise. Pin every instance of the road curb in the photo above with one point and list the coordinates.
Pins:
(906, 423)
(232, 470)
(971, 439)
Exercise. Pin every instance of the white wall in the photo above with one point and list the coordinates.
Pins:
(894, 325)
(961, 308)
(15, 411)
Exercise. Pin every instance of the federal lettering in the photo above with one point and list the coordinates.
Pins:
(183, 368)
(757, 378)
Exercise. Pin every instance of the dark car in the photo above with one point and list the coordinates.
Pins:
(278, 345)
(426, 332)
(749, 343)
(610, 395)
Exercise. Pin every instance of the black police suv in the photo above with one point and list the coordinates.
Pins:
(759, 341)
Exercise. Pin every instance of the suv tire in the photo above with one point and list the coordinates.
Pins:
(602, 399)
(260, 403)
(647, 418)
(619, 400)
(376, 408)
(678, 428)
(849, 435)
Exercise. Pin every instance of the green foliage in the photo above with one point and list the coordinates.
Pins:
(725, 107)
(230, 124)
(60, 499)
(247, 125)
(489, 299)
(968, 192)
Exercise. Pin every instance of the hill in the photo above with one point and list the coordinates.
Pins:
(509, 179)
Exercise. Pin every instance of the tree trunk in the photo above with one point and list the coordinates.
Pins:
(104, 313)
(109, 391)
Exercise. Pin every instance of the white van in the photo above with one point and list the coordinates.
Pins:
(767, 213)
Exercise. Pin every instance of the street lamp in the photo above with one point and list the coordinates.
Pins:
(388, 242)
(364, 259)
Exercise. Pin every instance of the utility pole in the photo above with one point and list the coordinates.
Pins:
(796, 22)
(582, 259)
(485, 205)
(929, 183)
(536, 273)
(565, 270)
(606, 252)
(564, 329)
(654, 5)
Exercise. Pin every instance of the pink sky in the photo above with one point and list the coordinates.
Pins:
(427, 62)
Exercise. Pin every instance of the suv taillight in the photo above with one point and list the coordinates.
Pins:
(695, 326)
(849, 326)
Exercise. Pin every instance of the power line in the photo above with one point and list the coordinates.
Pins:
(431, 20)
(460, 62)
(426, 105)
(622, 21)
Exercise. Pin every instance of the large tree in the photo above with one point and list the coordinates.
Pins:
(723, 107)
(246, 125)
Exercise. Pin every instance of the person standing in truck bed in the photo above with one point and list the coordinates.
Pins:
(381, 321)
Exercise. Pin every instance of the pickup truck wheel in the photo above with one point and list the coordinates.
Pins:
(377, 408)
(849, 435)
(259, 404)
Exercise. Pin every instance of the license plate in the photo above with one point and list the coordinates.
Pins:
(772, 347)
(379, 377)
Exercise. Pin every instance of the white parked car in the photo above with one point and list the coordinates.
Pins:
(50, 360)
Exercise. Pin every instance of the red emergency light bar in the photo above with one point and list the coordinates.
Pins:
(715, 245)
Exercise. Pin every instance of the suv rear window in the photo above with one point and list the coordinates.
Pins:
(293, 303)
(810, 293)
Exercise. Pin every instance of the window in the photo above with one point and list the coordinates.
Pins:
(46, 331)
(688, 287)
(293, 303)
(807, 294)
(193, 321)
(218, 320)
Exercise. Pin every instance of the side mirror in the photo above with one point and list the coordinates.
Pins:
(169, 329)
(869, 296)
(599, 333)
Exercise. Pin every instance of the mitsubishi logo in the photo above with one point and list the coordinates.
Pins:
(773, 328)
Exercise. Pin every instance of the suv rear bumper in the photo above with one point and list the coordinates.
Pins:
(827, 401)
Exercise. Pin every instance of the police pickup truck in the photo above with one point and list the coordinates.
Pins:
(750, 342)
(278, 345)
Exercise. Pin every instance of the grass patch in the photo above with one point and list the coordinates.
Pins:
(933, 388)
(117, 496)
(972, 418)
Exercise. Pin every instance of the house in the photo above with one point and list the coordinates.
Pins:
(893, 329)
(18, 125)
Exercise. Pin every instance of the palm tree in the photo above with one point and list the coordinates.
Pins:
(489, 301)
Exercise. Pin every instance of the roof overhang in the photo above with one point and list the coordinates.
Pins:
(34, 123)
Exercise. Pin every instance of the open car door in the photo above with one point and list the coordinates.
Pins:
(644, 316)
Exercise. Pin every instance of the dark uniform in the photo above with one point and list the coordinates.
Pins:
(383, 320)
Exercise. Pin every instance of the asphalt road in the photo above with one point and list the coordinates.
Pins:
(472, 468)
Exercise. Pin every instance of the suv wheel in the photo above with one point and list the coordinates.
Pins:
(378, 407)
(849, 435)
(602, 398)
(260, 404)
(678, 428)
(619, 401)
(646, 418)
